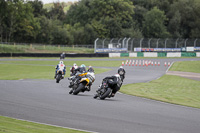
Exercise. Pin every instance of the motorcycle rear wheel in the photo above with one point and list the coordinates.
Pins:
(58, 77)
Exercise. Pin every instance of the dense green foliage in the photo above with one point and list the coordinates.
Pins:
(86, 20)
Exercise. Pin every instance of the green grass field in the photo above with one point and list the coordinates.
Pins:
(15, 70)
(186, 66)
(10, 125)
(172, 89)
(168, 88)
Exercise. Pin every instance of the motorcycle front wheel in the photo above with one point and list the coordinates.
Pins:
(80, 87)
(105, 94)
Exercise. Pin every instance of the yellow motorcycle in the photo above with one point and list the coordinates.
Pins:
(81, 82)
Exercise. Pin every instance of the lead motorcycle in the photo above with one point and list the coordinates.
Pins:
(81, 82)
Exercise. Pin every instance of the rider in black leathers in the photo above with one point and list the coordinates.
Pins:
(116, 84)
(90, 69)
(122, 73)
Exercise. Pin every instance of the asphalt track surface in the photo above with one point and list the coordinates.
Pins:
(45, 101)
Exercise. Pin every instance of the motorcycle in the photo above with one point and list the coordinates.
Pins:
(104, 90)
(81, 82)
(59, 75)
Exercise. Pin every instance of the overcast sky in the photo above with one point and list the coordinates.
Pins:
(51, 1)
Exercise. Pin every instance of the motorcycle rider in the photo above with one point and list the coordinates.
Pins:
(80, 69)
(61, 66)
(90, 69)
(72, 70)
(116, 84)
(121, 72)
(62, 56)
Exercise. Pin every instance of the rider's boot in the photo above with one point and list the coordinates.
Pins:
(70, 92)
(113, 94)
(71, 84)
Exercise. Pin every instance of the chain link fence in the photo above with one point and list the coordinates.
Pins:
(131, 43)
(46, 46)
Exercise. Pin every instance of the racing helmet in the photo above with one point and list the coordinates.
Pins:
(75, 67)
(117, 75)
(121, 67)
(74, 64)
(82, 65)
(90, 69)
(61, 62)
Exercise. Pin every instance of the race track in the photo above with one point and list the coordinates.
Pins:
(45, 101)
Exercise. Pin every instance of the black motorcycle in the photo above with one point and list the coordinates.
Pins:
(104, 90)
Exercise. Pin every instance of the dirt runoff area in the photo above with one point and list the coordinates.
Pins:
(190, 75)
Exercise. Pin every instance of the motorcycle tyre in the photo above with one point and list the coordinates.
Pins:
(80, 87)
(106, 94)
(58, 77)
(95, 96)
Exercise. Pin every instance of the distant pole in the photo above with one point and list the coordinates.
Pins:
(149, 42)
(95, 45)
(119, 41)
(132, 44)
(111, 40)
(123, 42)
(195, 42)
(177, 42)
(103, 42)
(141, 42)
(157, 42)
(186, 42)
(127, 43)
(166, 42)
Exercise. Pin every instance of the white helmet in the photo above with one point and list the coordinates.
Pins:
(61, 62)
(121, 67)
(74, 64)
(75, 67)
(117, 75)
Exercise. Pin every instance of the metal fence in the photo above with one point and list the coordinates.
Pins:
(45, 46)
(131, 43)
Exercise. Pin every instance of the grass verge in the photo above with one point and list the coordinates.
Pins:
(10, 125)
(186, 66)
(14, 70)
(172, 89)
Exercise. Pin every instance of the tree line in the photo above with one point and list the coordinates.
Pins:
(86, 20)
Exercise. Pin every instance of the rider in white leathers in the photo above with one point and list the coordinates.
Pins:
(60, 66)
